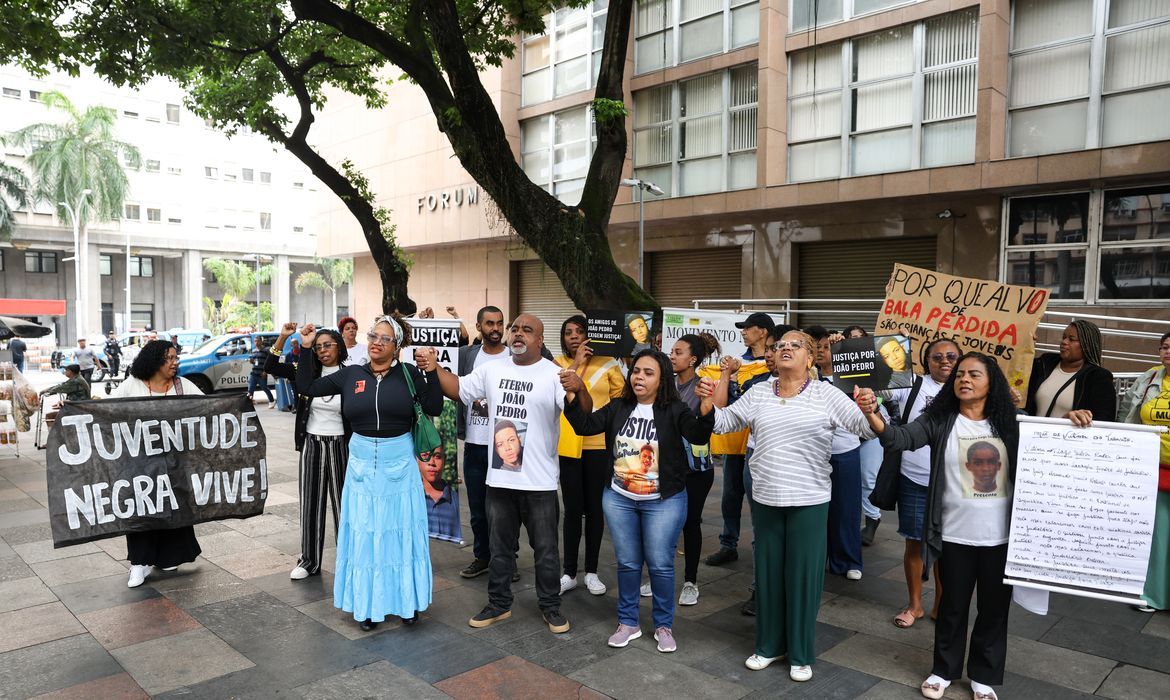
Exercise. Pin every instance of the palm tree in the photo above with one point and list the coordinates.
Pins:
(237, 280)
(14, 186)
(334, 273)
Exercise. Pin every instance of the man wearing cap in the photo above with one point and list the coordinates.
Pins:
(754, 330)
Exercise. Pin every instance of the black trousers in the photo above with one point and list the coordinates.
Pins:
(963, 569)
(539, 511)
(698, 486)
(582, 483)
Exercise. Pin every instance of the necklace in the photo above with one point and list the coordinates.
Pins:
(784, 399)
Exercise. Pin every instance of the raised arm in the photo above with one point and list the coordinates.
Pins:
(737, 416)
(308, 383)
(427, 360)
(429, 392)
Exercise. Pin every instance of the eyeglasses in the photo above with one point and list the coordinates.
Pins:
(323, 346)
(949, 357)
(171, 358)
(380, 339)
(786, 345)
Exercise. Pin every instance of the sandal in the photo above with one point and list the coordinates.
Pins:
(906, 619)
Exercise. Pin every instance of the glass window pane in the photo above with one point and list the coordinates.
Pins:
(653, 16)
(1138, 58)
(948, 143)
(534, 87)
(571, 161)
(860, 7)
(572, 42)
(702, 37)
(536, 54)
(660, 176)
(701, 137)
(653, 52)
(813, 70)
(1134, 273)
(534, 135)
(949, 93)
(1048, 76)
(535, 165)
(882, 152)
(690, 9)
(742, 130)
(1047, 220)
(703, 95)
(1061, 272)
(569, 191)
(652, 146)
(652, 106)
(1126, 12)
(743, 171)
(598, 31)
(1039, 22)
(802, 13)
(744, 85)
(882, 105)
(883, 55)
(1048, 129)
(571, 125)
(952, 37)
(814, 117)
(569, 15)
(571, 76)
(1137, 215)
(745, 25)
(1128, 117)
(814, 161)
(700, 176)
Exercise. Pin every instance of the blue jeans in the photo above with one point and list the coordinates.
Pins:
(475, 466)
(283, 390)
(872, 455)
(256, 381)
(732, 500)
(645, 532)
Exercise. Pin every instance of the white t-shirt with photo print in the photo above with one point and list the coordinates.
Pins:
(977, 493)
(524, 403)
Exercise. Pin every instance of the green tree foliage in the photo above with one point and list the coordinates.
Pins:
(334, 274)
(237, 279)
(14, 187)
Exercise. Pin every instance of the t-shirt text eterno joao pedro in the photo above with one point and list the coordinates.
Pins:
(524, 404)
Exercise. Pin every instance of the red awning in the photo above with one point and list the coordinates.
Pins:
(32, 307)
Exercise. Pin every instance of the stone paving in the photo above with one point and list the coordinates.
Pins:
(234, 625)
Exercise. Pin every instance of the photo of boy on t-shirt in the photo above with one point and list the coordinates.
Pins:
(509, 445)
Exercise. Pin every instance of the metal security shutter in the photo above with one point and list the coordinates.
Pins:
(853, 270)
(540, 293)
(678, 277)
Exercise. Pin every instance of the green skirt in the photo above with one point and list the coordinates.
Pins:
(1157, 592)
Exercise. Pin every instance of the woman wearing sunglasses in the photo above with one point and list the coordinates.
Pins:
(383, 555)
(322, 437)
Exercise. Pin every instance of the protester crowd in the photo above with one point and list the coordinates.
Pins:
(633, 445)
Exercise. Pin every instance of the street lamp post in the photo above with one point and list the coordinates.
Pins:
(78, 260)
(128, 305)
(643, 187)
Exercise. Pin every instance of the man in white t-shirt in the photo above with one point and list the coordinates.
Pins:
(524, 398)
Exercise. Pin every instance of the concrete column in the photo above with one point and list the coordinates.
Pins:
(93, 291)
(281, 286)
(192, 272)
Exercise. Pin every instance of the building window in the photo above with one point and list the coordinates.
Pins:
(555, 150)
(1079, 81)
(247, 174)
(566, 57)
(889, 127)
(40, 262)
(172, 114)
(701, 28)
(154, 215)
(105, 265)
(265, 221)
(174, 171)
(174, 220)
(806, 14)
(265, 178)
(34, 95)
(229, 177)
(131, 211)
(296, 229)
(1, 261)
(141, 266)
(210, 172)
(12, 93)
(153, 166)
(700, 133)
(141, 316)
(298, 185)
(129, 114)
(1096, 246)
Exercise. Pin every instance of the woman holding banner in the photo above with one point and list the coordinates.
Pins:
(383, 555)
(585, 465)
(153, 374)
(322, 437)
(1073, 379)
(1148, 402)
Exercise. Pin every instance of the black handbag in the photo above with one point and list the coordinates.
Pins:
(889, 477)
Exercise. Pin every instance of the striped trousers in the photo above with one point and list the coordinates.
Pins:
(323, 459)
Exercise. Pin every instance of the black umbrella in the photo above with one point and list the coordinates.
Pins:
(20, 328)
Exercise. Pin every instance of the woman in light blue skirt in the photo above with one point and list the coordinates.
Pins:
(383, 555)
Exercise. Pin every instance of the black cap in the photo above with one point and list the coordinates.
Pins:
(758, 319)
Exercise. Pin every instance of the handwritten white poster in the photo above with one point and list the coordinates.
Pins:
(1083, 514)
(721, 324)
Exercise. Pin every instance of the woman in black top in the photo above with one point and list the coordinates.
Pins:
(383, 556)
(1073, 379)
(646, 502)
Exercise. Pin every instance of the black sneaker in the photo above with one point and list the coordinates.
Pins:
(749, 606)
(475, 568)
(557, 624)
(725, 555)
(489, 616)
(367, 625)
(870, 529)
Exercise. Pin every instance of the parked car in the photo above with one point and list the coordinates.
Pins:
(223, 363)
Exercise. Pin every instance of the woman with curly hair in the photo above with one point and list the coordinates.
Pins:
(153, 374)
(974, 438)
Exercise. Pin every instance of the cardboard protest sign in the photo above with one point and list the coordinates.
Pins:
(678, 322)
(132, 465)
(984, 316)
(879, 362)
(442, 334)
(619, 333)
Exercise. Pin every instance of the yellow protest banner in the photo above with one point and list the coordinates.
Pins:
(984, 316)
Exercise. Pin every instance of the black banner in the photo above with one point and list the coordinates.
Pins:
(130, 465)
(620, 333)
(881, 362)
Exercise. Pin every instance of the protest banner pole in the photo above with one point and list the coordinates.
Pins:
(1138, 427)
(1065, 589)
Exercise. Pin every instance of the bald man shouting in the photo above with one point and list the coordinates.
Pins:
(524, 398)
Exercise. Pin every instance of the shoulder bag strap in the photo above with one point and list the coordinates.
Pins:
(1052, 404)
(178, 386)
(911, 398)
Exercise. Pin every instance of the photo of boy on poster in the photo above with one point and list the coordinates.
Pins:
(622, 333)
(440, 478)
(638, 324)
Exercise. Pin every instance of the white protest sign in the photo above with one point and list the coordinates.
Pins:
(442, 334)
(1083, 511)
(721, 324)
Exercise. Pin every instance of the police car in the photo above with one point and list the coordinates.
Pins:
(224, 362)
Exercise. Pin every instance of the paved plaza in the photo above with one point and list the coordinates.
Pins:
(233, 625)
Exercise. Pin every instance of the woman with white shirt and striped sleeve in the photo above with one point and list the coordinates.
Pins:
(792, 418)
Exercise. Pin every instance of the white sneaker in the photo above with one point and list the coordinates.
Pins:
(645, 590)
(170, 568)
(138, 575)
(853, 574)
(568, 583)
(800, 674)
(594, 584)
(299, 573)
(689, 594)
(758, 663)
